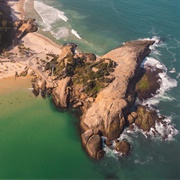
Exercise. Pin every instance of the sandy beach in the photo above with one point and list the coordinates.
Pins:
(38, 47)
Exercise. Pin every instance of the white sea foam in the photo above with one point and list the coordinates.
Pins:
(60, 33)
(166, 83)
(125, 135)
(141, 162)
(49, 14)
(111, 152)
(154, 47)
(164, 130)
(75, 33)
(178, 76)
(173, 70)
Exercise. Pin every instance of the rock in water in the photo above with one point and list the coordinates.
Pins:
(104, 88)
(123, 147)
(146, 118)
(94, 145)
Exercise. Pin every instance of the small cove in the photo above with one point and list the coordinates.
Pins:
(38, 141)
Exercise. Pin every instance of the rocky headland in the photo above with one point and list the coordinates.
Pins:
(104, 89)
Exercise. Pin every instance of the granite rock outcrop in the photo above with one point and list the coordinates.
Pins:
(103, 88)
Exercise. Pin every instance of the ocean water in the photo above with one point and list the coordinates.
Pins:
(47, 145)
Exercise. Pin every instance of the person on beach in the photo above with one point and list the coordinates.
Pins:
(16, 74)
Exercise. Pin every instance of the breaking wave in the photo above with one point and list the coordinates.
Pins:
(75, 33)
(54, 21)
(49, 14)
(60, 33)
(164, 130)
(142, 162)
(166, 82)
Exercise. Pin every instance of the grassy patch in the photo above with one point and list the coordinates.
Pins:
(93, 76)
(143, 84)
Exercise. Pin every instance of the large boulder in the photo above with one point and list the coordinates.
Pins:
(146, 118)
(39, 85)
(94, 145)
(89, 57)
(123, 147)
(23, 27)
(92, 142)
(131, 118)
(149, 83)
(68, 49)
(61, 93)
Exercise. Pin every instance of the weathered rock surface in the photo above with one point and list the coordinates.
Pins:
(109, 110)
(61, 93)
(93, 143)
(123, 147)
(67, 49)
(146, 118)
(148, 84)
(131, 118)
(87, 56)
(105, 98)
(23, 27)
(39, 85)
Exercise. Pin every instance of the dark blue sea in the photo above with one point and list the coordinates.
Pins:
(99, 26)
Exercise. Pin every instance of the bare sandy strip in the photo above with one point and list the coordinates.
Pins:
(38, 44)
(11, 84)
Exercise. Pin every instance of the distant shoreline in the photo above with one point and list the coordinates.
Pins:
(38, 43)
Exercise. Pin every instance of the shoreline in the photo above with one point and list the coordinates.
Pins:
(19, 9)
(38, 44)
(10, 84)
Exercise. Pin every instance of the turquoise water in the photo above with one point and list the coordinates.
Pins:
(47, 145)
(38, 141)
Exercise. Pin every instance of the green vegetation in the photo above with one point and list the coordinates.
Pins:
(143, 84)
(93, 76)
(23, 49)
